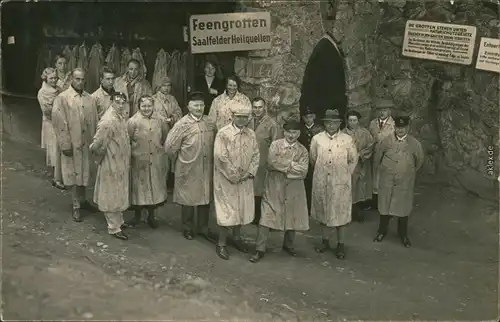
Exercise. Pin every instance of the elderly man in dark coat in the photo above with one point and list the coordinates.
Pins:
(324, 84)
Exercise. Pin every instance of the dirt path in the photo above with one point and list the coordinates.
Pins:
(56, 269)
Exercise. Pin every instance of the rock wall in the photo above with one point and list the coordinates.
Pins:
(454, 107)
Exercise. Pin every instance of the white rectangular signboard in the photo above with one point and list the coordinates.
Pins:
(488, 57)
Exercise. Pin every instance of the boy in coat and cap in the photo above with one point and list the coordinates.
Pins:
(397, 158)
(309, 128)
(380, 128)
(283, 202)
(334, 156)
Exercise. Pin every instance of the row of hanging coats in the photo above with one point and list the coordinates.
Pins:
(173, 65)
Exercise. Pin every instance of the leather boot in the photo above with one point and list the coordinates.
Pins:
(257, 257)
(340, 251)
(136, 220)
(76, 215)
(323, 247)
(152, 219)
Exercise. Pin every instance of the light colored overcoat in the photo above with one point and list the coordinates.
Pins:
(379, 133)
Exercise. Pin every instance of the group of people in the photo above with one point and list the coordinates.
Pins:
(273, 171)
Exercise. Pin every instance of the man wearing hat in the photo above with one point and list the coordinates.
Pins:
(309, 128)
(284, 200)
(74, 117)
(236, 160)
(380, 127)
(266, 130)
(334, 156)
(112, 145)
(362, 176)
(191, 144)
(397, 158)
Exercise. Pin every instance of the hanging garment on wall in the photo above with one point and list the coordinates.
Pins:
(96, 61)
(173, 71)
(126, 56)
(82, 57)
(160, 71)
(113, 60)
(136, 54)
(73, 58)
(67, 53)
(183, 78)
(43, 61)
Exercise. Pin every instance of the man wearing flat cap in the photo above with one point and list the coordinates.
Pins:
(380, 128)
(191, 144)
(284, 205)
(334, 156)
(112, 145)
(236, 160)
(308, 129)
(397, 158)
(362, 176)
(74, 117)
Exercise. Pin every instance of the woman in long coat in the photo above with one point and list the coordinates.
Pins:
(46, 96)
(334, 157)
(165, 103)
(362, 176)
(236, 160)
(284, 203)
(112, 144)
(148, 169)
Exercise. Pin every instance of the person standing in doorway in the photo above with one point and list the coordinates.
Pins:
(309, 128)
(334, 157)
(133, 84)
(112, 145)
(103, 94)
(397, 158)
(209, 84)
(267, 130)
(380, 128)
(362, 176)
(236, 160)
(284, 201)
(191, 144)
(46, 96)
(148, 169)
(74, 118)
(220, 111)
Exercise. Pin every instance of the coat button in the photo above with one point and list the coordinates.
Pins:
(330, 150)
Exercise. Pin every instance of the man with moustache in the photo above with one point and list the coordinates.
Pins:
(74, 117)
(103, 94)
(266, 130)
(236, 160)
(380, 128)
(334, 156)
(112, 145)
(134, 85)
(284, 200)
(191, 144)
(397, 158)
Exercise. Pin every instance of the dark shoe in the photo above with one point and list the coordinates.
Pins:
(76, 215)
(85, 205)
(222, 252)
(290, 251)
(120, 235)
(257, 257)
(380, 237)
(240, 246)
(323, 247)
(406, 242)
(58, 185)
(340, 251)
(188, 235)
(152, 220)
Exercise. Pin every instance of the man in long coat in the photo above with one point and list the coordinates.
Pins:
(103, 94)
(324, 81)
(74, 117)
(309, 128)
(133, 85)
(380, 127)
(334, 156)
(191, 144)
(284, 201)
(362, 176)
(236, 160)
(112, 144)
(398, 158)
(266, 130)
